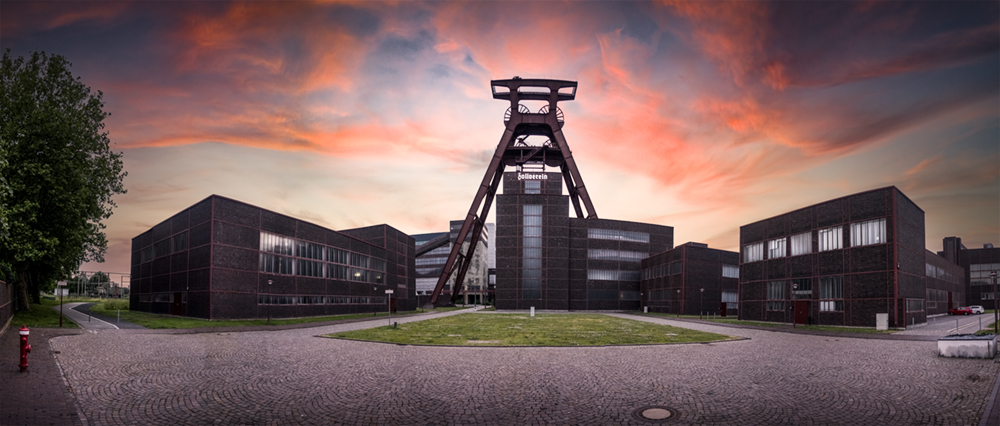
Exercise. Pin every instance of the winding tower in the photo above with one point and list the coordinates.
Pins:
(514, 150)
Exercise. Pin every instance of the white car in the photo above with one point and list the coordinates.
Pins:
(976, 309)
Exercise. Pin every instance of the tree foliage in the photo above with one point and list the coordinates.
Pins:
(59, 172)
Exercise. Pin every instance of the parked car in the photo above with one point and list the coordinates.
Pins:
(976, 309)
(963, 310)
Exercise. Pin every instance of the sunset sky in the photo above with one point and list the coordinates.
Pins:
(704, 116)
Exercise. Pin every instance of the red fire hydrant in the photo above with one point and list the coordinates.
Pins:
(25, 347)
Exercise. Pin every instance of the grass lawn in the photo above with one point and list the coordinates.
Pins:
(523, 330)
(149, 320)
(41, 315)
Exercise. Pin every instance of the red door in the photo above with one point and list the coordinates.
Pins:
(722, 309)
(392, 304)
(801, 311)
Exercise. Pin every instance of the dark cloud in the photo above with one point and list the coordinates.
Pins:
(359, 22)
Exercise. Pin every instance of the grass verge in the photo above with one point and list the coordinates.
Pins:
(523, 330)
(829, 328)
(41, 315)
(156, 321)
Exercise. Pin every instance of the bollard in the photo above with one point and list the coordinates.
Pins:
(394, 325)
(25, 347)
(980, 323)
(532, 311)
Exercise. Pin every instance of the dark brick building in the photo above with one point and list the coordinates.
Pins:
(977, 265)
(691, 278)
(840, 262)
(223, 259)
(549, 260)
(946, 286)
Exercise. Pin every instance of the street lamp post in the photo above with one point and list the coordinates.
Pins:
(681, 304)
(996, 311)
(269, 282)
(388, 304)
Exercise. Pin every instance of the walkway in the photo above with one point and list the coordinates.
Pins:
(294, 377)
(290, 376)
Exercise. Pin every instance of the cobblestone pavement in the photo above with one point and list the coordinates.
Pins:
(293, 377)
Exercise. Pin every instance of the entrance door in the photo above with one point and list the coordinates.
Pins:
(392, 304)
(722, 310)
(950, 305)
(801, 311)
(177, 304)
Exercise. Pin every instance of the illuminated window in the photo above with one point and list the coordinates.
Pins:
(801, 243)
(830, 289)
(776, 248)
(868, 233)
(753, 252)
(830, 239)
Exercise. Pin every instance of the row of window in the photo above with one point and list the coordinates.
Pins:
(936, 296)
(164, 247)
(982, 271)
(829, 288)
(283, 265)
(939, 273)
(612, 295)
(862, 234)
(675, 267)
(611, 234)
(273, 299)
(663, 270)
(286, 246)
(612, 275)
(622, 255)
(430, 260)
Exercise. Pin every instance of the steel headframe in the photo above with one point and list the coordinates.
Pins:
(520, 122)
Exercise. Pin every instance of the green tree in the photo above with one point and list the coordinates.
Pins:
(60, 172)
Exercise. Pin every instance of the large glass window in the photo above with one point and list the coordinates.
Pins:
(753, 252)
(731, 299)
(276, 264)
(831, 289)
(611, 234)
(831, 239)
(532, 187)
(914, 305)
(676, 267)
(979, 273)
(531, 258)
(776, 248)
(161, 248)
(730, 271)
(273, 243)
(801, 243)
(309, 268)
(776, 296)
(180, 242)
(612, 275)
(868, 233)
(621, 255)
(310, 250)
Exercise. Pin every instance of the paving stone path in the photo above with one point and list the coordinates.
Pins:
(292, 377)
